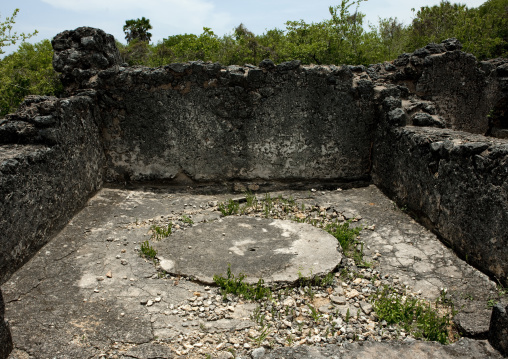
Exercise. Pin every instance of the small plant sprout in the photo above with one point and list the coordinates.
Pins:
(236, 285)
(316, 316)
(187, 219)
(264, 334)
(289, 339)
(159, 233)
(147, 250)
(229, 208)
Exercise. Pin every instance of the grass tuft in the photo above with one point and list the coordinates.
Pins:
(236, 285)
(147, 250)
(415, 315)
(159, 233)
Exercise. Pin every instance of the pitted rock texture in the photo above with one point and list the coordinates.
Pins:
(50, 163)
(498, 331)
(462, 91)
(279, 251)
(79, 54)
(455, 183)
(214, 123)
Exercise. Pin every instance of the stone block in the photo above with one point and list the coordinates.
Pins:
(498, 330)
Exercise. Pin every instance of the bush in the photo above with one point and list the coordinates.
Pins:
(28, 71)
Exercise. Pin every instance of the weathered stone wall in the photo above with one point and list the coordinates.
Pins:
(80, 54)
(51, 161)
(454, 182)
(213, 123)
(462, 91)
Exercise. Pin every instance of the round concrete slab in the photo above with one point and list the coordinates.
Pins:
(275, 250)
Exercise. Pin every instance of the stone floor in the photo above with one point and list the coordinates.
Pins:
(90, 294)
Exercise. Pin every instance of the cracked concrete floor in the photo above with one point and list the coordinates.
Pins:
(80, 296)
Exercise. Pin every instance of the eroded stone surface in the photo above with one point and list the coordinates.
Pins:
(274, 250)
(89, 293)
(409, 350)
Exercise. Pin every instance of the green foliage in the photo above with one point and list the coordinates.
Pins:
(414, 315)
(390, 38)
(28, 71)
(436, 23)
(137, 30)
(186, 219)
(347, 237)
(7, 36)
(188, 47)
(491, 303)
(483, 31)
(159, 233)
(263, 335)
(236, 285)
(316, 316)
(137, 52)
(229, 208)
(147, 250)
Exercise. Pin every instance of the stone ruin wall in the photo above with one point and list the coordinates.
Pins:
(415, 127)
(208, 123)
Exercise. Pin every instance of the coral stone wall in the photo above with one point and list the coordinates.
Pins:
(456, 183)
(213, 123)
(399, 122)
(51, 162)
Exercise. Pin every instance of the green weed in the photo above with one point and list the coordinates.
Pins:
(147, 250)
(317, 281)
(289, 340)
(186, 219)
(159, 233)
(491, 303)
(316, 316)
(229, 208)
(414, 315)
(235, 285)
(257, 316)
(347, 237)
(264, 334)
(250, 200)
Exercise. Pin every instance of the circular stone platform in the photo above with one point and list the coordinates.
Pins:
(275, 250)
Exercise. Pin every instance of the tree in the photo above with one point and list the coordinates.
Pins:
(7, 37)
(348, 31)
(392, 37)
(482, 31)
(137, 30)
(28, 71)
(436, 23)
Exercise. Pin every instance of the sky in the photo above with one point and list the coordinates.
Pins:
(171, 17)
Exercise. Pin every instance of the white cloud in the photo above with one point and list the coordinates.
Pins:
(166, 16)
